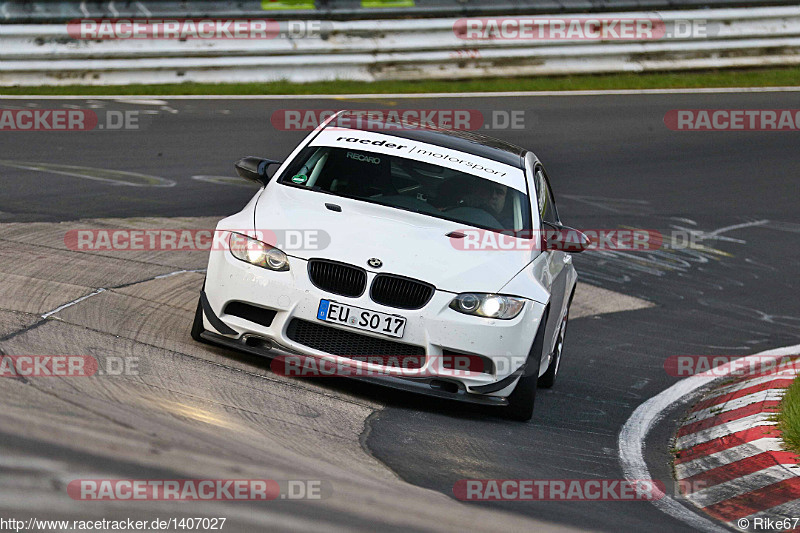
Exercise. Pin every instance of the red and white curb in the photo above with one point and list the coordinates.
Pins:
(733, 421)
(729, 459)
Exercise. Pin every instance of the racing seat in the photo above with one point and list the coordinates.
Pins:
(358, 174)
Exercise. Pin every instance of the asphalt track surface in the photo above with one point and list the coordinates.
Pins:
(613, 163)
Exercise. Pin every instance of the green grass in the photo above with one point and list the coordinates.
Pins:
(788, 417)
(768, 77)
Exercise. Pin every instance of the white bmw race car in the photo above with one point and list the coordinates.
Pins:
(423, 259)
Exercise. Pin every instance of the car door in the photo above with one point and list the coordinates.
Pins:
(556, 261)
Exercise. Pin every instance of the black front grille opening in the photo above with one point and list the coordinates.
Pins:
(349, 344)
(458, 361)
(337, 278)
(259, 315)
(400, 292)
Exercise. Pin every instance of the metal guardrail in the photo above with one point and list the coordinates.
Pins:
(394, 49)
(56, 11)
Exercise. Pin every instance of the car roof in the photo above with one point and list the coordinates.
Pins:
(469, 142)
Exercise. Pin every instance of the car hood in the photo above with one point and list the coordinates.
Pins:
(409, 244)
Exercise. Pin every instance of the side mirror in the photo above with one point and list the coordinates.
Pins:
(565, 239)
(255, 169)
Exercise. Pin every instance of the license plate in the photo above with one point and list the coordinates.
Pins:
(358, 318)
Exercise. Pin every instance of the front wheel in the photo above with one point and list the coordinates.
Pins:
(522, 398)
(548, 379)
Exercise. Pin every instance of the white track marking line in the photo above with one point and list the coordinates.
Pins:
(73, 302)
(733, 227)
(634, 432)
(715, 432)
(732, 405)
(170, 274)
(496, 94)
(87, 173)
(725, 457)
(742, 485)
(103, 289)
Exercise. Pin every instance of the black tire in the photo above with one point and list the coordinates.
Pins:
(520, 402)
(523, 397)
(197, 324)
(548, 379)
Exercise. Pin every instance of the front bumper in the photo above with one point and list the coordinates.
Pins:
(425, 386)
(435, 329)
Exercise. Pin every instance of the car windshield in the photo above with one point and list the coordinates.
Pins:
(410, 185)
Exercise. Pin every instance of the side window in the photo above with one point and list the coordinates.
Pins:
(547, 207)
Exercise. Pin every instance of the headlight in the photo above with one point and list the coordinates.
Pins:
(257, 253)
(488, 305)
